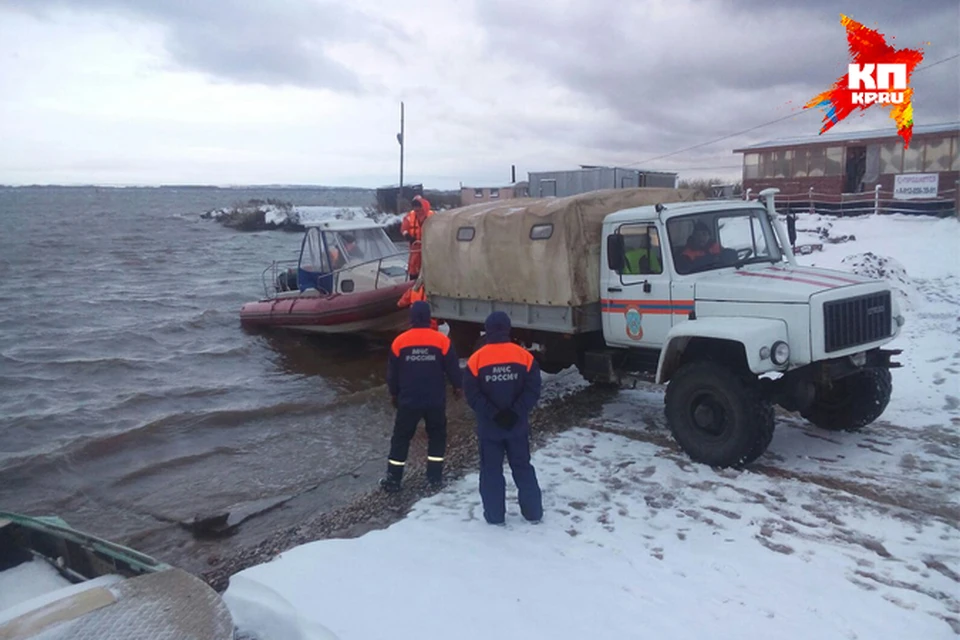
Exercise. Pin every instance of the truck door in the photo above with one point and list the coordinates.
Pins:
(637, 309)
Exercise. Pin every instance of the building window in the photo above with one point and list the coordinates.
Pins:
(541, 231)
(465, 234)
(767, 164)
(751, 165)
(817, 162)
(783, 160)
(937, 156)
(494, 193)
(834, 161)
(891, 158)
(478, 193)
(913, 159)
(800, 160)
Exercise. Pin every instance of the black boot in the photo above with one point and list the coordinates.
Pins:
(435, 474)
(391, 482)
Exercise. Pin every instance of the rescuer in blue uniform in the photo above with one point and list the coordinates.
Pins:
(421, 362)
(502, 385)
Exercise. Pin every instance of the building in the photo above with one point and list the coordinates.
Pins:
(593, 178)
(833, 164)
(387, 196)
(473, 195)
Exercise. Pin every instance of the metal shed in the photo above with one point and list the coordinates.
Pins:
(593, 178)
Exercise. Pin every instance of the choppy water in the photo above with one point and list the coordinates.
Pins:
(131, 399)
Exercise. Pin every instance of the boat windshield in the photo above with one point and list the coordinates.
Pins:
(357, 245)
(719, 239)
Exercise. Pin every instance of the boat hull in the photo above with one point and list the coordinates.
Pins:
(361, 312)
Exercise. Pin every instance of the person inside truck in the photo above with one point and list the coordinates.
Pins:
(642, 253)
(700, 251)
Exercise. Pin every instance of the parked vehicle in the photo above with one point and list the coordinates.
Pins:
(348, 279)
(704, 296)
(60, 583)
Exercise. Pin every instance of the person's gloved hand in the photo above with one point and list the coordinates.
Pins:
(393, 402)
(505, 419)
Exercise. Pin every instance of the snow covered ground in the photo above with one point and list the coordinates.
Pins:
(828, 535)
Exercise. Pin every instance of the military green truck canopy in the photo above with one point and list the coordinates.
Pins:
(543, 251)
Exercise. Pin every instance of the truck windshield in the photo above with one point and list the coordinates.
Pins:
(720, 239)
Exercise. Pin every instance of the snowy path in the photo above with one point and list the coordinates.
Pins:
(637, 543)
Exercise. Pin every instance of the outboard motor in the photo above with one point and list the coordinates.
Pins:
(287, 281)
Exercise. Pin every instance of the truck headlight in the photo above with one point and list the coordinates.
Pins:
(780, 353)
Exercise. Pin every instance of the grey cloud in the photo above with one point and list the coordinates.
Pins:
(673, 82)
(280, 42)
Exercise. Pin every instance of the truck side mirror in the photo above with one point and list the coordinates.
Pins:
(615, 252)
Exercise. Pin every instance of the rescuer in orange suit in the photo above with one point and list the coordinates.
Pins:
(412, 230)
(416, 293)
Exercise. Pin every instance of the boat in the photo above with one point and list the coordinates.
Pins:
(348, 279)
(59, 583)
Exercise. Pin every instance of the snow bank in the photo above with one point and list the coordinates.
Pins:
(919, 256)
(634, 544)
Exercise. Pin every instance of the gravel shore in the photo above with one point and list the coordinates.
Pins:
(378, 510)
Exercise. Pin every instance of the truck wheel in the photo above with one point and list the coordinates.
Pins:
(718, 417)
(851, 403)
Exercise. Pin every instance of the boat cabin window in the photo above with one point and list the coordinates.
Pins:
(313, 258)
(357, 245)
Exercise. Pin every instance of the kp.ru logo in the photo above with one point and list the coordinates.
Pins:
(879, 75)
(886, 76)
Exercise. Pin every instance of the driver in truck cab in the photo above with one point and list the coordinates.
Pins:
(701, 249)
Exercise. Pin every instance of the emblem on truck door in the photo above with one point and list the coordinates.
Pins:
(634, 323)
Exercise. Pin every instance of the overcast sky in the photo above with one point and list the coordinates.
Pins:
(308, 91)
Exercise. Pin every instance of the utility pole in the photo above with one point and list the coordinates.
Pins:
(401, 141)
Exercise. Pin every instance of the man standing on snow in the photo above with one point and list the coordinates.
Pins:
(421, 361)
(502, 385)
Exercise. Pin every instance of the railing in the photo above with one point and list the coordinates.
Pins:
(876, 201)
(270, 287)
(278, 267)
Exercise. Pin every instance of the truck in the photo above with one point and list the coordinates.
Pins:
(703, 296)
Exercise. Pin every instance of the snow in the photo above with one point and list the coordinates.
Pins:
(828, 535)
(274, 215)
(26, 581)
(319, 213)
(925, 268)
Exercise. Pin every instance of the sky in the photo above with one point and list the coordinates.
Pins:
(308, 91)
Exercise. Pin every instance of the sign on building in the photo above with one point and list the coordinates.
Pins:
(907, 186)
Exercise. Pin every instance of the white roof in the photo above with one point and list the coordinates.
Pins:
(674, 209)
(852, 136)
(344, 225)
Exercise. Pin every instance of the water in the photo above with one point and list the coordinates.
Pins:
(130, 397)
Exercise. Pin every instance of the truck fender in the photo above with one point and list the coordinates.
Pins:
(753, 334)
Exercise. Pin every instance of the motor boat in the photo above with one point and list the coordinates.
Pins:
(58, 583)
(349, 278)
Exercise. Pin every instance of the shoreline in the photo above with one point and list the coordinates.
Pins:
(375, 509)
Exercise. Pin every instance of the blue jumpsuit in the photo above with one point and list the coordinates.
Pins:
(502, 385)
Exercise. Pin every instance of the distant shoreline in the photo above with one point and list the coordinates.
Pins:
(187, 186)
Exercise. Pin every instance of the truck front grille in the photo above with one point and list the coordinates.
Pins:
(855, 321)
